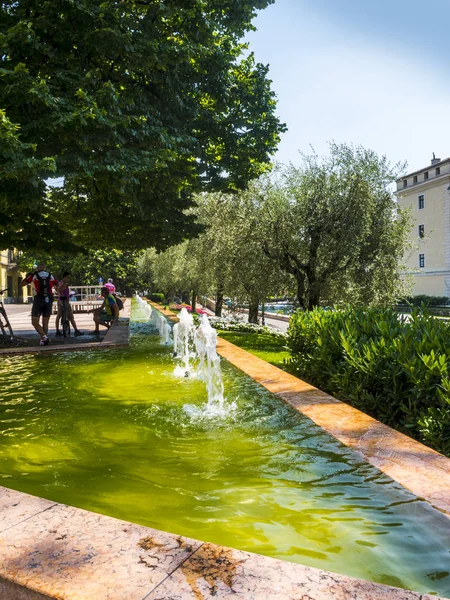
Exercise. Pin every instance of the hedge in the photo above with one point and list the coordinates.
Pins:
(156, 297)
(423, 299)
(394, 368)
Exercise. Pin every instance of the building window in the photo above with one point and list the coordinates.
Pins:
(421, 231)
(425, 175)
(438, 171)
(415, 179)
(421, 260)
(421, 202)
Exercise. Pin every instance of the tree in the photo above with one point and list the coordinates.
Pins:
(144, 267)
(231, 246)
(86, 268)
(176, 271)
(137, 105)
(227, 258)
(334, 225)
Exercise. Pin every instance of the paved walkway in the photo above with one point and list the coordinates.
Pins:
(271, 322)
(20, 318)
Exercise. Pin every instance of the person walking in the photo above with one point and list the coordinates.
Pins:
(64, 296)
(43, 283)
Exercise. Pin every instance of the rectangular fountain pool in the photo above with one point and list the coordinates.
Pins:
(114, 433)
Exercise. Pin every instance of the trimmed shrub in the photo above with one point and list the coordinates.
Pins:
(394, 368)
(423, 299)
(156, 297)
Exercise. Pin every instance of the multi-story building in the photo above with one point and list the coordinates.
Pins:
(427, 193)
(10, 278)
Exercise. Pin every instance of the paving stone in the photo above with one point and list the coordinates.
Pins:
(16, 507)
(221, 573)
(116, 335)
(75, 554)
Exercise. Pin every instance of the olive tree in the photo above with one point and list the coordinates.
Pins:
(334, 225)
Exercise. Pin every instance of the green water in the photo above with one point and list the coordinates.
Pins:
(106, 431)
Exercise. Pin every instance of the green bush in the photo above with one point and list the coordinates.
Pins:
(157, 297)
(393, 368)
(423, 299)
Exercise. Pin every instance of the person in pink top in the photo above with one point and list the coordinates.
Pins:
(110, 286)
(64, 296)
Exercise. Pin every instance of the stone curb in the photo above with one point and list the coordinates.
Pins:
(50, 550)
(416, 467)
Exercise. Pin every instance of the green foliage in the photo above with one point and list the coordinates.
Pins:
(266, 345)
(423, 299)
(24, 214)
(156, 297)
(144, 267)
(335, 226)
(135, 105)
(226, 258)
(394, 369)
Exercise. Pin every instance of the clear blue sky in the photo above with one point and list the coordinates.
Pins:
(375, 73)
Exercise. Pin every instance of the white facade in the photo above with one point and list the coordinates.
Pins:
(427, 194)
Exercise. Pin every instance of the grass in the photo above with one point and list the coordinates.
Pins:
(270, 348)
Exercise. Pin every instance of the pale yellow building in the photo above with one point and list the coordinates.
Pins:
(427, 193)
(10, 278)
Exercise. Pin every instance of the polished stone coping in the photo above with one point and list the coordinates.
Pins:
(50, 550)
(170, 315)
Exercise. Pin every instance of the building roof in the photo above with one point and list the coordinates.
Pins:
(438, 164)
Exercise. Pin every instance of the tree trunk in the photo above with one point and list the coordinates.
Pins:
(314, 297)
(314, 291)
(300, 277)
(194, 300)
(219, 303)
(253, 311)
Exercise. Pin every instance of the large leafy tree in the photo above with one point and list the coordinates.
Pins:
(335, 226)
(87, 267)
(136, 105)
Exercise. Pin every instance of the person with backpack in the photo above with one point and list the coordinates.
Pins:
(108, 313)
(43, 283)
(112, 290)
